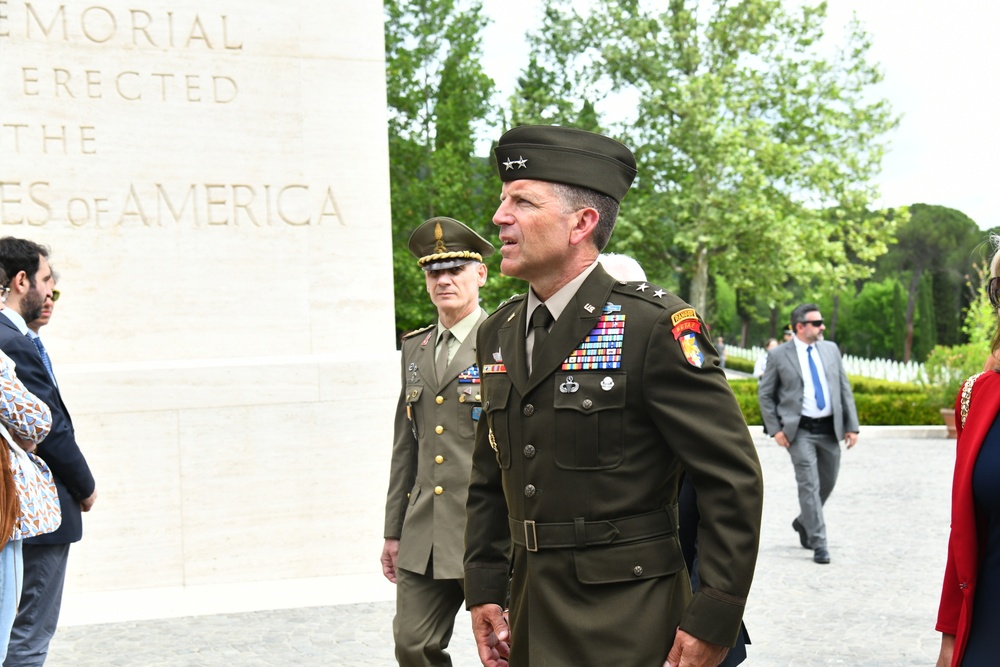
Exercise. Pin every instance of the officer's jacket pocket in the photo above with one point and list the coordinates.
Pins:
(589, 410)
(413, 392)
(468, 396)
(414, 493)
(660, 557)
(495, 395)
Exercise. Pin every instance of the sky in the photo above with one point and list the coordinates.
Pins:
(941, 62)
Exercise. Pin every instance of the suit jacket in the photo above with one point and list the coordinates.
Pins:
(59, 450)
(432, 455)
(591, 452)
(962, 569)
(780, 390)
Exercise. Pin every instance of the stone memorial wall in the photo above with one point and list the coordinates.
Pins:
(212, 180)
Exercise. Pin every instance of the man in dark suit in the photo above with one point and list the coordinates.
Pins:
(439, 404)
(807, 403)
(593, 410)
(29, 284)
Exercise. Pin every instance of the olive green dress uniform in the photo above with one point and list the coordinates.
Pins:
(432, 455)
(431, 459)
(589, 462)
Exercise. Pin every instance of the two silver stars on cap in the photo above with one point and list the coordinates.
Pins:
(520, 162)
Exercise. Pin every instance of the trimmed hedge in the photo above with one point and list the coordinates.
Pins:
(879, 402)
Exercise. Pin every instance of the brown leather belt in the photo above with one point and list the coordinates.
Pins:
(579, 534)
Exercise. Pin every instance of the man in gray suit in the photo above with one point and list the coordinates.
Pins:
(807, 403)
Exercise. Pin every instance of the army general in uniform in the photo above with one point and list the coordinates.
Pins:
(597, 394)
(439, 404)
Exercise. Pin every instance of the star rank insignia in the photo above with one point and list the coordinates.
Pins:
(520, 163)
(642, 288)
(659, 294)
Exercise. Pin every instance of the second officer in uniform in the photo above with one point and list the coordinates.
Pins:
(439, 405)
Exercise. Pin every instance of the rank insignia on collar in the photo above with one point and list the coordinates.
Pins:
(589, 308)
(426, 339)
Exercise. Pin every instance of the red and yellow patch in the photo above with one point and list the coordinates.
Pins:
(686, 327)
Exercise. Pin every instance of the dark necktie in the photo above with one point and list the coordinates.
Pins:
(817, 385)
(541, 320)
(442, 357)
(45, 358)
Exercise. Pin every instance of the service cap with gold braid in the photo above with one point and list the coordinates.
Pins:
(444, 243)
(566, 155)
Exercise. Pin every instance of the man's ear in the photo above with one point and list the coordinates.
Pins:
(586, 222)
(482, 271)
(20, 283)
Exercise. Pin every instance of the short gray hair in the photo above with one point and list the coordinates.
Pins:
(574, 197)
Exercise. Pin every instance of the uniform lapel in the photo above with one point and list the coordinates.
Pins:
(575, 322)
(512, 337)
(425, 357)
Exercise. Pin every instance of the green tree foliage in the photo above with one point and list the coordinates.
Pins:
(438, 96)
(939, 241)
(755, 149)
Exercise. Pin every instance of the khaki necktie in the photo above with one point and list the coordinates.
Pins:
(541, 320)
(442, 356)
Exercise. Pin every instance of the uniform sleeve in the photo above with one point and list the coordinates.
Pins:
(699, 418)
(402, 470)
(26, 414)
(487, 532)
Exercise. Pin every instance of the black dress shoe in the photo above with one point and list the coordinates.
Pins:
(801, 530)
(821, 556)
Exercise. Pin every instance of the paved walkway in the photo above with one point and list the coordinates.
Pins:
(874, 606)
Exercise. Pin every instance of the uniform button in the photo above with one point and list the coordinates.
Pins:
(478, 397)
(439, 400)
(438, 490)
(529, 451)
(529, 410)
(438, 459)
(439, 429)
(529, 491)
(587, 404)
(637, 570)
(461, 399)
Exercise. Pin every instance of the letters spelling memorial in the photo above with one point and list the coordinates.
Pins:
(73, 137)
(212, 179)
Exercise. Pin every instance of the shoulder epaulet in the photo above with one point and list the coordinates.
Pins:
(411, 334)
(651, 293)
(512, 299)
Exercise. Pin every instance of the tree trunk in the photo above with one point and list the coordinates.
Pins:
(699, 282)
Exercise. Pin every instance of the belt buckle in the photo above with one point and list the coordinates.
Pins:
(532, 543)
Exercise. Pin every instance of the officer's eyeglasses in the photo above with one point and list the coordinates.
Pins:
(993, 291)
(55, 295)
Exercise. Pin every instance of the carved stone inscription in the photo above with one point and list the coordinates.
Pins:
(98, 100)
